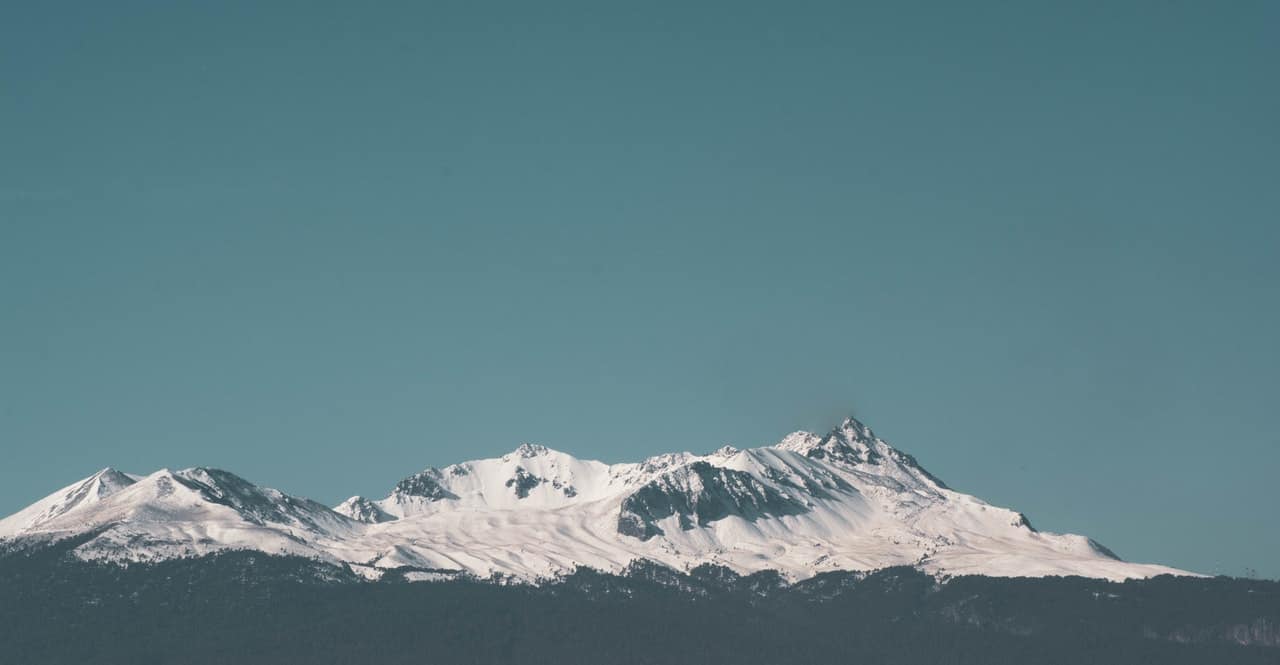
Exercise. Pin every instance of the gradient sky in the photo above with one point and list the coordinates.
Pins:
(325, 245)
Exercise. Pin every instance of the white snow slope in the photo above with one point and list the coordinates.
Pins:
(810, 504)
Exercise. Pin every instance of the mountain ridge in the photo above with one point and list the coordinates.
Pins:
(846, 500)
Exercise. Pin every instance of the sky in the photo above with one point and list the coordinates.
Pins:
(325, 245)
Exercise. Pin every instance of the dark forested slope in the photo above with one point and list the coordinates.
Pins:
(251, 608)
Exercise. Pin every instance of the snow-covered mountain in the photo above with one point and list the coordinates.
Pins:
(809, 504)
(178, 513)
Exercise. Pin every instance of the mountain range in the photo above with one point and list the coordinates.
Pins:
(810, 504)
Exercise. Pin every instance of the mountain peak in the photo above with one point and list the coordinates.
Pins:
(853, 429)
(799, 441)
(850, 433)
(527, 450)
(424, 484)
(853, 443)
(87, 492)
(725, 451)
(361, 509)
(112, 477)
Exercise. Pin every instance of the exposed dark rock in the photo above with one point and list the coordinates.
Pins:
(701, 493)
(523, 482)
(425, 484)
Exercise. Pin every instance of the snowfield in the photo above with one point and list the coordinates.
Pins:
(810, 504)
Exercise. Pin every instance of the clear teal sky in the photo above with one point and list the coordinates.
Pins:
(326, 245)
